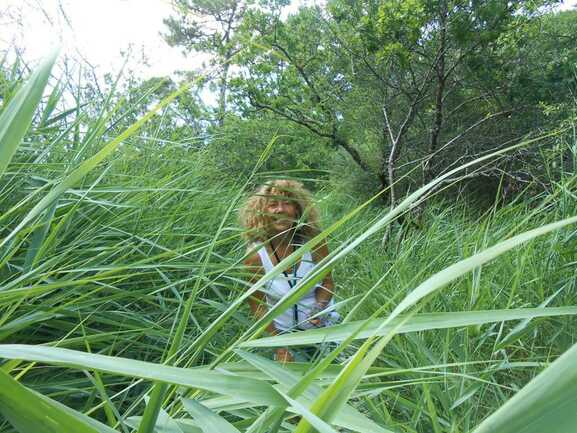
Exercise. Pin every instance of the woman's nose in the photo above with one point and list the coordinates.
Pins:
(279, 207)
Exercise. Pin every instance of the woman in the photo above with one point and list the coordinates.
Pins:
(279, 218)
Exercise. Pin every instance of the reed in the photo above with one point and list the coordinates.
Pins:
(120, 272)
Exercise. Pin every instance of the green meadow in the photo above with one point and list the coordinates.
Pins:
(123, 298)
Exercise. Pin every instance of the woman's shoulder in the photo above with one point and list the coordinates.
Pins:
(252, 260)
(320, 252)
(253, 256)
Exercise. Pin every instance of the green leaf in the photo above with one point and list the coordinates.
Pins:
(348, 417)
(250, 389)
(209, 421)
(315, 421)
(523, 326)
(38, 238)
(416, 323)
(24, 321)
(17, 116)
(165, 423)
(83, 169)
(29, 412)
(51, 103)
(180, 426)
(458, 269)
(336, 395)
(546, 404)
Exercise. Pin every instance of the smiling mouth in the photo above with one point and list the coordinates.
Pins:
(283, 220)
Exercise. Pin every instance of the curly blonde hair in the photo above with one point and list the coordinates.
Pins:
(256, 221)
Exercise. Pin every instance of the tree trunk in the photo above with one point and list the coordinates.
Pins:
(440, 93)
(223, 87)
(391, 163)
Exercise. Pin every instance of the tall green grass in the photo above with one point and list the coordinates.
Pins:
(120, 268)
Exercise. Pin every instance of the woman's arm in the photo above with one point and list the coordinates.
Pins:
(324, 292)
(257, 301)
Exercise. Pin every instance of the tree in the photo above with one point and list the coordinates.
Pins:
(293, 71)
(210, 26)
(385, 81)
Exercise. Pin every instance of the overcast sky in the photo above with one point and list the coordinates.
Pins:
(99, 31)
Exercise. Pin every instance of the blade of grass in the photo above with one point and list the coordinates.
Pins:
(88, 165)
(315, 421)
(337, 394)
(28, 412)
(17, 116)
(547, 403)
(250, 389)
(208, 421)
(521, 327)
(416, 323)
(348, 417)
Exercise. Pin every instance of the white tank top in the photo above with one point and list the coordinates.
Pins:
(295, 317)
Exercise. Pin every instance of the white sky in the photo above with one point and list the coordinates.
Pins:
(99, 31)
(96, 30)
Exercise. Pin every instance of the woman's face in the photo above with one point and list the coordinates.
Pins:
(283, 212)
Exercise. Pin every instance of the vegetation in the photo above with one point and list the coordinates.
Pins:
(450, 126)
